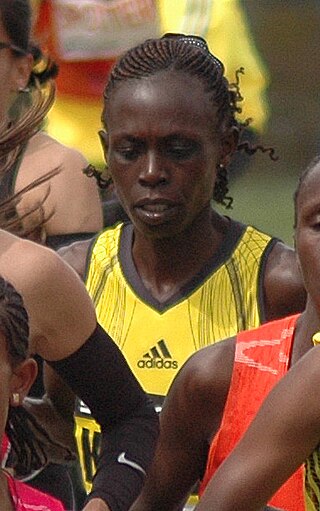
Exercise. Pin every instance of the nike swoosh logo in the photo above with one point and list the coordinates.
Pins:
(122, 459)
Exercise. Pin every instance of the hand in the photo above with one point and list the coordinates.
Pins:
(96, 505)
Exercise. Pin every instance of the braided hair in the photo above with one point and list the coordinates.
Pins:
(191, 55)
(28, 439)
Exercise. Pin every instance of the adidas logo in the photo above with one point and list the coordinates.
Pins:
(158, 357)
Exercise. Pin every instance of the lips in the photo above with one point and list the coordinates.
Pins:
(155, 211)
(156, 208)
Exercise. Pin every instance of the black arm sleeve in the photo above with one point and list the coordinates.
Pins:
(99, 374)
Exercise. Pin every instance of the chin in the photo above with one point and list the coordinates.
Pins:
(158, 232)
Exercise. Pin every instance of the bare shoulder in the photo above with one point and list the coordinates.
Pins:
(20, 257)
(71, 200)
(75, 255)
(210, 367)
(283, 285)
(33, 266)
(201, 387)
(60, 310)
(45, 146)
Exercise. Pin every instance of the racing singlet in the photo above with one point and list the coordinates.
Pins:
(262, 357)
(156, 339)
(26, 498)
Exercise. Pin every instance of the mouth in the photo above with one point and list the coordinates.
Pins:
(156, 208)
(156, 212)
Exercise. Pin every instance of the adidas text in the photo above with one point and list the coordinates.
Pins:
(155, 363)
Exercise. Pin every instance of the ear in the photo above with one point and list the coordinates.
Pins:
(21, 70)
(104, 139)
(22, 378)
(229, 143)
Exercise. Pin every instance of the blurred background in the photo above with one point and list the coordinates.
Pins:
(277, 42)
(286, 34)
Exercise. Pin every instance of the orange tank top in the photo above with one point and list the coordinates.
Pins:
(262, 357)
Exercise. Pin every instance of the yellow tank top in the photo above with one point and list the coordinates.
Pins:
(157, 339)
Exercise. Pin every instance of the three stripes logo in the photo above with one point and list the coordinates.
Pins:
(158, 357)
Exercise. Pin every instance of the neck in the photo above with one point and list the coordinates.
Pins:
(166, 264)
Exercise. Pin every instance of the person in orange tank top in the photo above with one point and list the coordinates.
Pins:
(218, 392)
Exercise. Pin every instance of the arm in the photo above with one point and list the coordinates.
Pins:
(75, 198)
(127, 418)
(284, 291)
(191, 415)
(283, 434)
(85, 356)
(73, 204)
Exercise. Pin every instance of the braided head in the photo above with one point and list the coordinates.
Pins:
(187, 54)
(14, 324)
(17, 370)
(182, 65)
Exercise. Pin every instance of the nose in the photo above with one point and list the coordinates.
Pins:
(153, 172)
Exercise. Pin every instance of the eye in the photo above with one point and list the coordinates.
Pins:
(313, 221)
(129, 150)
(316, 224)
(180, 149)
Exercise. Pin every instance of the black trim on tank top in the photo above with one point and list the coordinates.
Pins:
(233, 235)
(60, 240)
(261, 275)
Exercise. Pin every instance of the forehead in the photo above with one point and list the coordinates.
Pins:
(168, 98)
(309, 193)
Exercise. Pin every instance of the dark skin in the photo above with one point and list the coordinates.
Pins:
(276, 443)
(196, 399)
(162, 148)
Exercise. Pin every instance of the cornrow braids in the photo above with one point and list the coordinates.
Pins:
(31, 445)
(191, 55)
(29, 441)
(14, 322)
